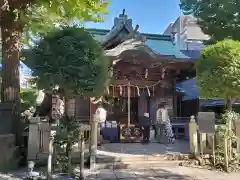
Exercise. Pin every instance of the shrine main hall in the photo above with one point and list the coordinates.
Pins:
(146, 69)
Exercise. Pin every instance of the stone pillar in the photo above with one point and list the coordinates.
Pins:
(93, 142)
(203, 142)
(193, 139)
(33, 138)
(50, 155)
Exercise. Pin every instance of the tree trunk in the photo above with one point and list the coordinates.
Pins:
(11, 34)
(229, 105)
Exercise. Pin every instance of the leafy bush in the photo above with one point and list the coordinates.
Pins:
(28, 98)
(67, 135)
(223, 132)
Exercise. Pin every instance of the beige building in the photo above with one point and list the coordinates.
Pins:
(188, 35)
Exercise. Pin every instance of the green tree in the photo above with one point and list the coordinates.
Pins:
(25, 18)
(22, 19)
(218, 71)
(219, 19)
(71, 59)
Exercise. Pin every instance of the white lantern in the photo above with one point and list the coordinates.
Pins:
(101, 115)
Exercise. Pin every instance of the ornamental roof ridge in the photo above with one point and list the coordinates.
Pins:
(120, 22)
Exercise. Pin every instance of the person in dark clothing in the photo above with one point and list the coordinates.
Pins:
(145, 123)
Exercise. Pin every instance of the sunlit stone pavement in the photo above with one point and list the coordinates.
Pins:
(169, 173)
(157, 173)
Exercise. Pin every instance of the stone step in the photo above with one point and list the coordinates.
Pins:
(165, 157)
(142, 164)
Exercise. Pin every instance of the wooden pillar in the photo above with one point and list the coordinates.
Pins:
(129, 103)
(175, 105)
(142, 104)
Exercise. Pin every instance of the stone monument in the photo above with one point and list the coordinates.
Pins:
(6, 118)
(8, 159)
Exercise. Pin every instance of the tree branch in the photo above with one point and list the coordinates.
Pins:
(19, 4)
(4, 6)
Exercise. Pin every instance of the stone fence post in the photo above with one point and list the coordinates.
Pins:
(193, 139)
(93, 142)
(33, 138)
(38, 139)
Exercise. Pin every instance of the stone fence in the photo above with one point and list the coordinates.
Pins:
(40, 133)
(202, 143)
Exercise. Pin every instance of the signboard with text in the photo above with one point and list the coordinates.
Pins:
(206, 122)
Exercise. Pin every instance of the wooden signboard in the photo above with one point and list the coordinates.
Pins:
(206, 122)
(237, 127)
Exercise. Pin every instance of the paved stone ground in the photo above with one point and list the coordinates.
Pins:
(168, 173)
(140, 173)
(137, 149)
(160, 173)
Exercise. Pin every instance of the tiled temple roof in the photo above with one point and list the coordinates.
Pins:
(189, 89)
(123, 30)
(192, 54)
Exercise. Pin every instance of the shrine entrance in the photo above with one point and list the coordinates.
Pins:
(125, 104)
(118, 110)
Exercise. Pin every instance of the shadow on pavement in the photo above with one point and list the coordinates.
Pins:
(137, 174)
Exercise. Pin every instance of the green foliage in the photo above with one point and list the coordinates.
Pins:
(229, 115)
(41, 16)
(218, 71)
(68, 131)
(220, 134)
(223, 132)
(219, 19)
(67, 135)
(28, 98)
(71, 59)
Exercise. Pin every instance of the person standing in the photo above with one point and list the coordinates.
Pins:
(145, 123)
(163, 119)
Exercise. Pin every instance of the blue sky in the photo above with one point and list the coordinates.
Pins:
(153, 16)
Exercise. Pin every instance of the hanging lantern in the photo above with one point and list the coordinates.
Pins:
(138, 91)
(101, 114)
